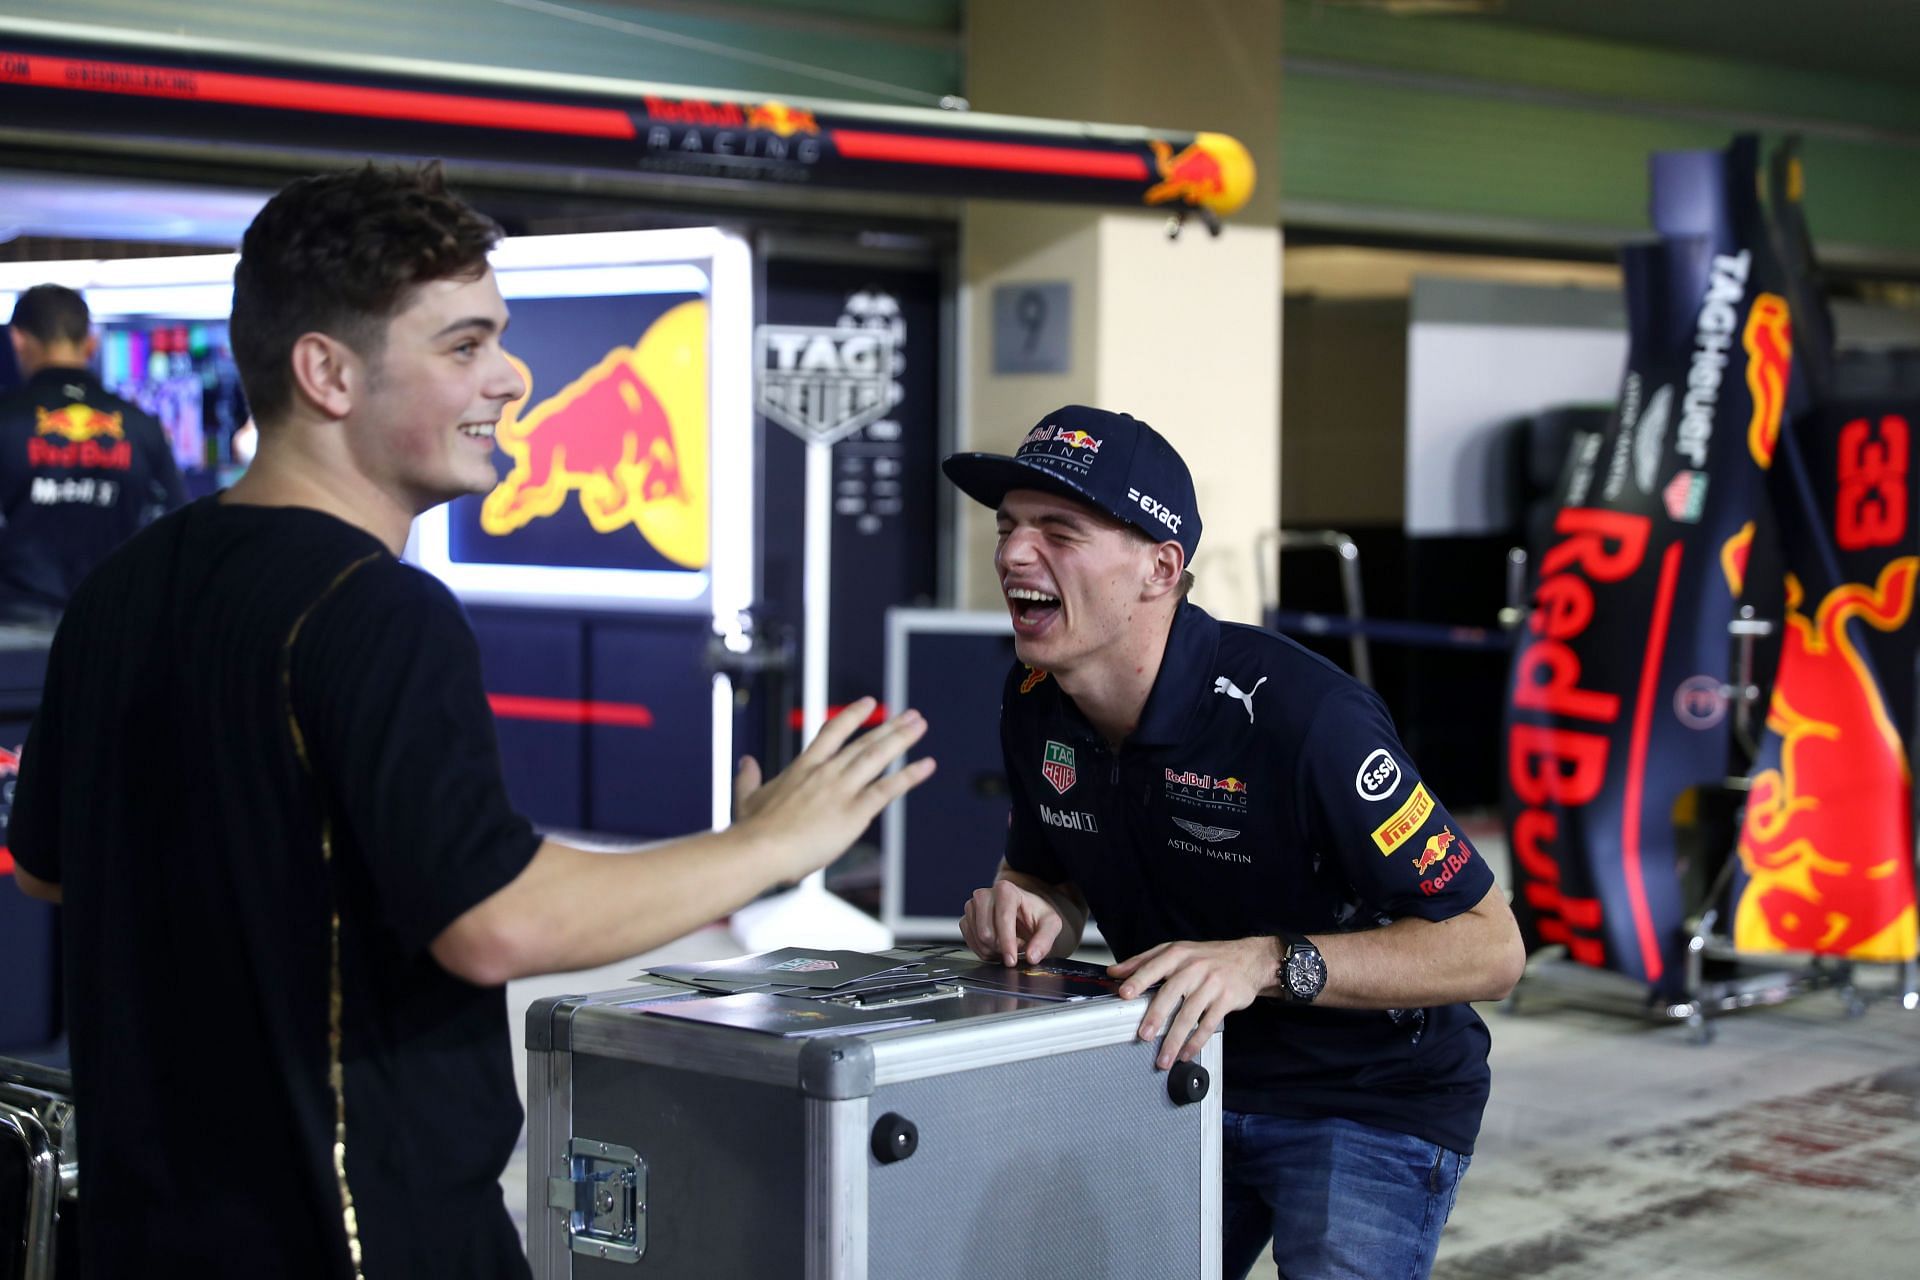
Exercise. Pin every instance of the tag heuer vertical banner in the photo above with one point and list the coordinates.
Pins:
(1615, 703)
(1826, 844)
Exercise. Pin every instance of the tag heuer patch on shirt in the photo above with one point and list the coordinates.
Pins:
(1058, 768)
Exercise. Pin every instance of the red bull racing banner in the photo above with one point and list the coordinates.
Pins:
(634, 351)
(1826, 844)
(671, 130)
(1615, 700)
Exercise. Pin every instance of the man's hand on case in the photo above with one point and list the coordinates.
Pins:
(1009, 924)
(1200, 984)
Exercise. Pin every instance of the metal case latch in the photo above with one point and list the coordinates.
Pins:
(604, 1196)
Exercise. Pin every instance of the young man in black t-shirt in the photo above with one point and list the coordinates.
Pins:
(1242, 820)
(263, 778)
(80, 469)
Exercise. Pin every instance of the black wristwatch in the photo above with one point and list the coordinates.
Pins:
(1303, 971)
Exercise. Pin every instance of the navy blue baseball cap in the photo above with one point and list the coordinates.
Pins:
(1113, 462)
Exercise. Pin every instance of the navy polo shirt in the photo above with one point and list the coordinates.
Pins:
(1264, 791)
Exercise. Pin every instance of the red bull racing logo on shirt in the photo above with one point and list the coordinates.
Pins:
(627, 439)
(1205, 789)
(86, 438)
(1446, 851)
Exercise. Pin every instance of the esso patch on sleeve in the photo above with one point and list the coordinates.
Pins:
(1379, 776)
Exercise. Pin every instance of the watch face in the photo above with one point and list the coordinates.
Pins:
(1306, 973)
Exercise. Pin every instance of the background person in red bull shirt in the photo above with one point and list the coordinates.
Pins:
(80, 468)
(1242, 820)
(264, 781)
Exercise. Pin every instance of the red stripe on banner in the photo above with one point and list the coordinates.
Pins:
(797, 719)
(1012, 157)
(139, 80)
(515, 706)
(1637, 762)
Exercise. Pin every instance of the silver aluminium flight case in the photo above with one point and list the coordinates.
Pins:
(1011, 1138)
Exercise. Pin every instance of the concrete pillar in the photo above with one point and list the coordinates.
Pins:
(1184, 334)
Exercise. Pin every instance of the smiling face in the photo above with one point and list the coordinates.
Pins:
(422, 424)
(1075, 581)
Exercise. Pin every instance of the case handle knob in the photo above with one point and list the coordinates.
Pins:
(1187, 1083)
(895, 1138)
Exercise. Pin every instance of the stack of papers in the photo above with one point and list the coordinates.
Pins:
(800, 992)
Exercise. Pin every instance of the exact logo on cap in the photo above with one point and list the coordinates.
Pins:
(1164, 515)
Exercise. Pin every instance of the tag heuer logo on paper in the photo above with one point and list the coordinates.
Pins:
(803, 965)
(1058, 768)
(824, 382)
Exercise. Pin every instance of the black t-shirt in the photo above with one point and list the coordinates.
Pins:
(230, 695)
(80, 471)
(1263, 792)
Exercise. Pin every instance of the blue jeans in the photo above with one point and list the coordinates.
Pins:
(1338, 1199)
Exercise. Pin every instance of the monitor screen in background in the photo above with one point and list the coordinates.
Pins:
(182, 372)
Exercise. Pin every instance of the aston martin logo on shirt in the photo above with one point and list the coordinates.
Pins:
(1200, 831)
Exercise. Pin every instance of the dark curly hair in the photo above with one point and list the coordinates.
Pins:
(339, 254)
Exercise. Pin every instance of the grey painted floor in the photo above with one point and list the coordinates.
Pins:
(1788, 1146)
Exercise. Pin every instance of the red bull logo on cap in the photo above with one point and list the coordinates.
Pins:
(1827, 842)
(1079, 440)
(627, 439)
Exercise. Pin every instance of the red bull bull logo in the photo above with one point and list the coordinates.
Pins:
(1435, 850)
(78, 422)
(1079, 440)
(628, 438)
(1232, 786)
(1827, 842)
(78, 435)
(1446, 851)
(1213, 172)
(1769, 343)
(778, 117)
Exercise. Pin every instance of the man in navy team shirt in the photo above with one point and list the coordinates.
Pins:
(1240, 817)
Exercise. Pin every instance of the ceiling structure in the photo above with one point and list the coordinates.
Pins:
(1872, 39)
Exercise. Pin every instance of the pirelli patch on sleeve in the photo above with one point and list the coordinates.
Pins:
(1406, 820)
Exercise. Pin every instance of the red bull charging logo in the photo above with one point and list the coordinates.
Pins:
(1769, 343)
(778, 117)
(1213, 172)
(78, 423)
(1827, 842)
(628, 438)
